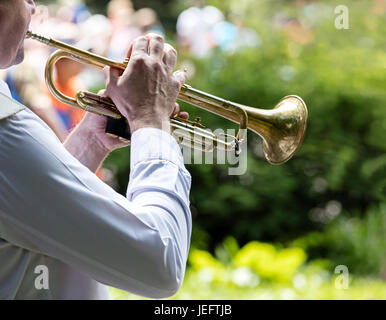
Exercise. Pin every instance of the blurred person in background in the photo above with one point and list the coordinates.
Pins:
(56, 215)
(147, 21)
(65, 20)
(201, 28)
(195, 27)
(123, 28)
(127, 24)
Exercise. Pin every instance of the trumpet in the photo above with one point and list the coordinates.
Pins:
(281, 128)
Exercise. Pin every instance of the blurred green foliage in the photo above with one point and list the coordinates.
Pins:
(269, 263)
(261, 271)
(351, 241)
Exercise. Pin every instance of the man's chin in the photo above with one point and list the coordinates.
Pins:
(19, 56)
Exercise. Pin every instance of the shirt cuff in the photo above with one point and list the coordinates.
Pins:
(154, 144)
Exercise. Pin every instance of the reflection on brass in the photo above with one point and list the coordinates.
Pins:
(281, 128)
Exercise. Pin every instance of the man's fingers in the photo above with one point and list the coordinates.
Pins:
(140, 46)
(180, 76)
(102, 92)
(177, 111)
(184, 115)
(111, 74)
(169, 57)
(156, 45)
(111, 77)
(128, 54)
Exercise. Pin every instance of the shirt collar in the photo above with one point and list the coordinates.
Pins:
(4, 89)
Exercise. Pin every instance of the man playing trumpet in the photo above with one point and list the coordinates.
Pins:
(57, 217)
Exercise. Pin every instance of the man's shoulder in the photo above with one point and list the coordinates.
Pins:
(9, 107)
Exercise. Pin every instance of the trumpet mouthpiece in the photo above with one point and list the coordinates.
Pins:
(38, 37)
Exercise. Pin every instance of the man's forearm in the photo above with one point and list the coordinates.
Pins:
(83, 145)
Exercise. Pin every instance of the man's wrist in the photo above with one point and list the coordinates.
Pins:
(89, 131)
(162, 124)
(153, 143)
(85, 146)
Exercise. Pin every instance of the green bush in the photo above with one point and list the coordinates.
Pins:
(262, 271)
(357, 243)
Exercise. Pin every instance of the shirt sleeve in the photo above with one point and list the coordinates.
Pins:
(50, 203)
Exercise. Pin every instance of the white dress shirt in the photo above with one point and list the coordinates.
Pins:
(56, 213)
(12, 107)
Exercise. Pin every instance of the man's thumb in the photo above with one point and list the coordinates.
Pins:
(111, 76)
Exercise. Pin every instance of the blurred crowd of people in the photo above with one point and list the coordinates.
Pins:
(201, 28)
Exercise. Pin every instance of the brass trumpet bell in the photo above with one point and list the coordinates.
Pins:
(282, 128)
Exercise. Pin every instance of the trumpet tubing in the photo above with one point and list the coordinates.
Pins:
(282, 128)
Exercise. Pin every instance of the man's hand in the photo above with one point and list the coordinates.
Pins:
(89, 143)
(145, 94)
(96, 125)
(147, 90)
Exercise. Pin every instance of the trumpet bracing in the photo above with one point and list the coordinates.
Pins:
(282, 128)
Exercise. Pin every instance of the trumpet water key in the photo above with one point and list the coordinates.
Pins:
(282, 128)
